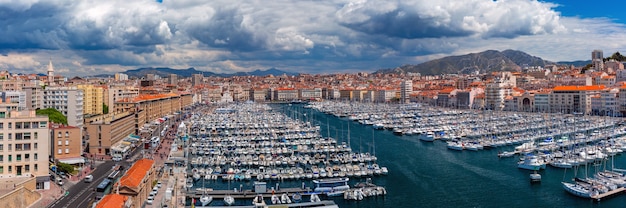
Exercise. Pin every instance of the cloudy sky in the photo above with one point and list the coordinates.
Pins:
(312, 36)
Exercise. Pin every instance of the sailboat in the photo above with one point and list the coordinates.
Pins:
(205, 199)
(229, 200)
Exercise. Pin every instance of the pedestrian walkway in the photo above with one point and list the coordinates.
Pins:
(48, 196)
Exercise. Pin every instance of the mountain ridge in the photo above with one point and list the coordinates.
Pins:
(481, 62)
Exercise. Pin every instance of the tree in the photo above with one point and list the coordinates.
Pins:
(64, 167)
(53, 115)
(105, 108)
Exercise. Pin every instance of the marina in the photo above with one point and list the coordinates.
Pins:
(550, 141)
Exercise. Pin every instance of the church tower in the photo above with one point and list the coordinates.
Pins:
(50, 74)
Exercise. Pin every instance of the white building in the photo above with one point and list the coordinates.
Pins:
(405, 90)
(67, 100)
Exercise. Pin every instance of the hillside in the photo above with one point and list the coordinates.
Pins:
(486, 61)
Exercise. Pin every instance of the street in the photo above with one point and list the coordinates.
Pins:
(82, 193)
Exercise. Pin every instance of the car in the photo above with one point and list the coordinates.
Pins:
(149, 201)
(154, 192)
(60, 181)
(117, 158)
(88, 179)
(158, 184)
(151, 197)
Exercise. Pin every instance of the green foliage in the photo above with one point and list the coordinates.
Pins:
(65, 167)
(53, 115)
(585, 68)
(616, 56)
(105, 108)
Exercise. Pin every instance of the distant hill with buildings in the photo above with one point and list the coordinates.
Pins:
(486, 61)
(166, 71)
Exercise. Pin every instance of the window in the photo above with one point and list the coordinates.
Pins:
(2, 125)
(27, 146)
(36, 135)
(35, 125)
(43, 124)
(10, 136)
(1, 169)
(26, 125)
(59, 143)
(27, 168)
(18, 157)
(1, 147)
(27, 157)
(60, 151)
(9, 126)
(1, 158)
(9, 147)
(59, 135)
(35, 146)
(67, 134)
(26, 136)
(10, 158)
(67, 150)
(1, 136)
(10, 169)
(36, 166)
(67, 142)
(18, 136)
(18, 125)
(18, 147)
(35, 157)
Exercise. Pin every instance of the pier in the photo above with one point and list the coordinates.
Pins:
(321, 204)
(608, 194)
(248, 194)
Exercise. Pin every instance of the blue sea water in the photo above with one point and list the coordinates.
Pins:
(427, 174)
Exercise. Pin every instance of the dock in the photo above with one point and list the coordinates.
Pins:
(609, 193)
(249, 194)
(320, 204)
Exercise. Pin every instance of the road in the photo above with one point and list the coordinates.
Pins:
(81, 194)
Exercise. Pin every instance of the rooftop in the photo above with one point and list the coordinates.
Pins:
(136, 173)
(112, 201)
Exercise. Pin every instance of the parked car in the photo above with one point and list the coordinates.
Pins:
(60, 181)
(158, 184)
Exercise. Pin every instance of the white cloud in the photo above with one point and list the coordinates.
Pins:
(219, 35)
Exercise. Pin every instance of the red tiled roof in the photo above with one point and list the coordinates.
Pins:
(579, 88)
(136, 173)
(112, 201)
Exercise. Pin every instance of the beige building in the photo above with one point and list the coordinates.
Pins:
(109, 129)
(137, 182)
(573, 99)
(66, 144)
(24, 146)
(93, 99)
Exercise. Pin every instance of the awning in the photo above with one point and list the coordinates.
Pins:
(74, 160)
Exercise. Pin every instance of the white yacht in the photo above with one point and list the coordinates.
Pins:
(531, 162)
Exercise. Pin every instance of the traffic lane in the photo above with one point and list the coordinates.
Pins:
(82, 189)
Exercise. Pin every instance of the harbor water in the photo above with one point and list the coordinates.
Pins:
(427, 174)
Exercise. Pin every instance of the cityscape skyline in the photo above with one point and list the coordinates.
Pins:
(95, 37)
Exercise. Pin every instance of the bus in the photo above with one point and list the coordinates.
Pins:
(103, 188)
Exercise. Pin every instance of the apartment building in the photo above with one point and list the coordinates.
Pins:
(67, 100)
(93, 99)
(405, 90)
(24, 146)
(573, 99)
(106, 130)
(66, 144)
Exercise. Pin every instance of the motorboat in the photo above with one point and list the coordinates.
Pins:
(285, 199)
(275, 199)
(531, 162)
(535, 177)
(205, 200)
(314, 198)
(229, 200)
